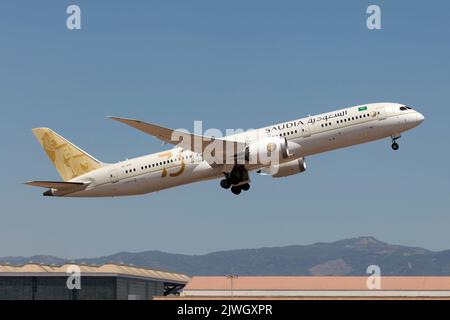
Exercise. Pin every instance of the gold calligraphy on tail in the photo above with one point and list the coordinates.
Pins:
(69, 160)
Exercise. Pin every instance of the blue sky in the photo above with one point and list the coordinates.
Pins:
(232, 64)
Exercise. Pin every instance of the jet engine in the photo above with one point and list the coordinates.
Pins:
(270, 151)
(285, 169)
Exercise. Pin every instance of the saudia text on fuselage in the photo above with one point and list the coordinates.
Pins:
(310, 120)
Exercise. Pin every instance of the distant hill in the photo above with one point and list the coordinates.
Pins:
(345, 257)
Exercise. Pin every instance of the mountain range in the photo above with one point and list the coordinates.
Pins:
(346, 257)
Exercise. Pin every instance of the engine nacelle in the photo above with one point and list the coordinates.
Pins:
(286, 169)
(270, 151)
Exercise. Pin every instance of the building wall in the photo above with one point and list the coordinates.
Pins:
(138, 289)
(155, 289)
(15, 288)
(51, 288)
(121, 289)
(98, 288)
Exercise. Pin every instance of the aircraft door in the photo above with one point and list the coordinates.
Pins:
(113, 176)
(381, 113)
(306, 132)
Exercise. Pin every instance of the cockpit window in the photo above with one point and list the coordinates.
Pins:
(403, 108)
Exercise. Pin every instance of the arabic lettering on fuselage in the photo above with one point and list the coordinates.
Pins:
(311, 120)
(327, 117)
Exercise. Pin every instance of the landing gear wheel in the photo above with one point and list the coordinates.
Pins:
(395, 146)
(225, 183)
(236, 190)
(234, 180)
(245, 187)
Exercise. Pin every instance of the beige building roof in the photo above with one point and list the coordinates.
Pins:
(106, 269)
(316, 283)
(317, 287)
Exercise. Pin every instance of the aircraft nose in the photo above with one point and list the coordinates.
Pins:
(419, 118)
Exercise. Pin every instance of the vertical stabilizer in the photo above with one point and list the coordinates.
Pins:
(69, 160)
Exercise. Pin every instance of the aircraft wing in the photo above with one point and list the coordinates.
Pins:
(188, 141)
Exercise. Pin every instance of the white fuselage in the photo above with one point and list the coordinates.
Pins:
(315, 134)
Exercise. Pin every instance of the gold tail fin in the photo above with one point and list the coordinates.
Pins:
(68, 159)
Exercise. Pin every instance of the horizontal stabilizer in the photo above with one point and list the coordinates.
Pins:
(58, 187)
(57, 184)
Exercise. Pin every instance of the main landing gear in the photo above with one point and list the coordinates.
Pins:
(395, 145)
(237, 180)
(238, 189)
(225, 183)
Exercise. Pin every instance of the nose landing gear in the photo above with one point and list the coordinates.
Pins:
(395, 145)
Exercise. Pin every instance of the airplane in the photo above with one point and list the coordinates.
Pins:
(291, 142)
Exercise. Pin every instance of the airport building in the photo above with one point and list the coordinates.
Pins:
(237, 287)
(106, 282)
